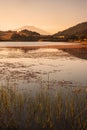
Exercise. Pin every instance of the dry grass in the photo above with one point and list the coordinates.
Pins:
(24, 111)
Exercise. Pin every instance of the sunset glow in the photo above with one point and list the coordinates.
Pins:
(50, 15)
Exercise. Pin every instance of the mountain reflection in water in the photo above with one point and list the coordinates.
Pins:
(76, 52)
(80, 52)
(29, 67)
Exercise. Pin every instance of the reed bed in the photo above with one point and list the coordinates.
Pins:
(41, 111)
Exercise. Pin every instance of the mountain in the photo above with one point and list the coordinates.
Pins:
(25, 35)
(80, 30)
(28, 33)
(33, 29)
(75, 33)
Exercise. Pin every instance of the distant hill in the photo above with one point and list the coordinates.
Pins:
(33, 29)
(28, 33)
(75, 33)
(80, 30)
(25, 35)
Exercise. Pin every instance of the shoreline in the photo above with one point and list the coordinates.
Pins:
(84, 45)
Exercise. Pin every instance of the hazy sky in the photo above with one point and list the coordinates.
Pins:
(50, 15)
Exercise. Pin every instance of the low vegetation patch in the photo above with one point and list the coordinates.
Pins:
(41, 111)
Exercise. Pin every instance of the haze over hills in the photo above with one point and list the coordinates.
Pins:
(33, 29)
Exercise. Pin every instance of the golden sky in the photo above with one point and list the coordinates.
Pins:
(50, 15)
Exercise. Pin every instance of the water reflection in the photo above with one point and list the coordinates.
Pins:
(27, 67)
(22, 51)
(80, 52)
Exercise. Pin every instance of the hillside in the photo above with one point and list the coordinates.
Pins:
(23, 35)
(78, 31)
(28, 33)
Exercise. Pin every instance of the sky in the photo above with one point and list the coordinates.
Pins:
(50, 15)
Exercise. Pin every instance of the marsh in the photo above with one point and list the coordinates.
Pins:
(43, 79)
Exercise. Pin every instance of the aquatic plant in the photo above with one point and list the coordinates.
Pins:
(41, 111)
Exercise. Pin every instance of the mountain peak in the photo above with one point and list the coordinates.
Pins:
(33, 29)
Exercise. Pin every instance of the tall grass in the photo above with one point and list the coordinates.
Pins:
(22, 111)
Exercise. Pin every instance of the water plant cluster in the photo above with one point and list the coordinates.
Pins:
(41, 111)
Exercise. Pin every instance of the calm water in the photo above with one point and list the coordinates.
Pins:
(53, 68)
(34, 43)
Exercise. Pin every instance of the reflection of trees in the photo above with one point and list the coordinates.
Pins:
(77, 52)
(24, 49)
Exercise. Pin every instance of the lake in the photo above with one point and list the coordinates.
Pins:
(18, 44)
(28, 68)
(38, 85)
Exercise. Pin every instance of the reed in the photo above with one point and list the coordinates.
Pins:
(42, 111)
